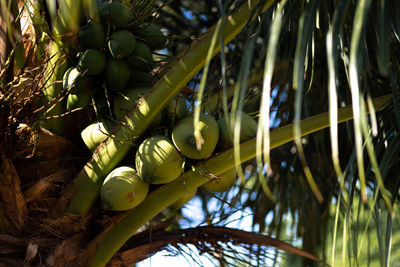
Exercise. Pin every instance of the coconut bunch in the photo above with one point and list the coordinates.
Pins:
(115, 52)
(113, 69)
(161, 158)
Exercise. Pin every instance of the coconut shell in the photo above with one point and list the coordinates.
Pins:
(177, 107)
(141, 58)
(184, 199)
(158, 161)
(248, 129)
(123, 189)
(183, 136)
(94, 134)
(152, 36)
(121, 44)
(79, 100)
(117, 74)
(92, 62)
(93, 35)
(223, 183)
(117, 14)
(74, 81)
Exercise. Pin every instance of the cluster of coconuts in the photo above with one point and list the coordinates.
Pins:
(160, 159)
(114, 52)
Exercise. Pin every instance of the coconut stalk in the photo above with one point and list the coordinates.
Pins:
(102, 249)
(65, 24)
(85, 189)
(54, 72)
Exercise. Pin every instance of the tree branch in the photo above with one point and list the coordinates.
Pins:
(147, 244)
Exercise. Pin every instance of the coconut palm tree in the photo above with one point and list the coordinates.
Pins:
(318, 171)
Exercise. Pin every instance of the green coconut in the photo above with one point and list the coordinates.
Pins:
(248, 129)
(79, 100)
(94, 134)
(93, 35)
(141, 57)
(158, 161)
(223, 183)
(74, 81)
(139, 77)
(117, 73)
(152, 36)
(121, 43)
(124, 103)
(207, 131)
(117, 14)
(184, 199)
(177, 107)
(123, 189)
(92, 62)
